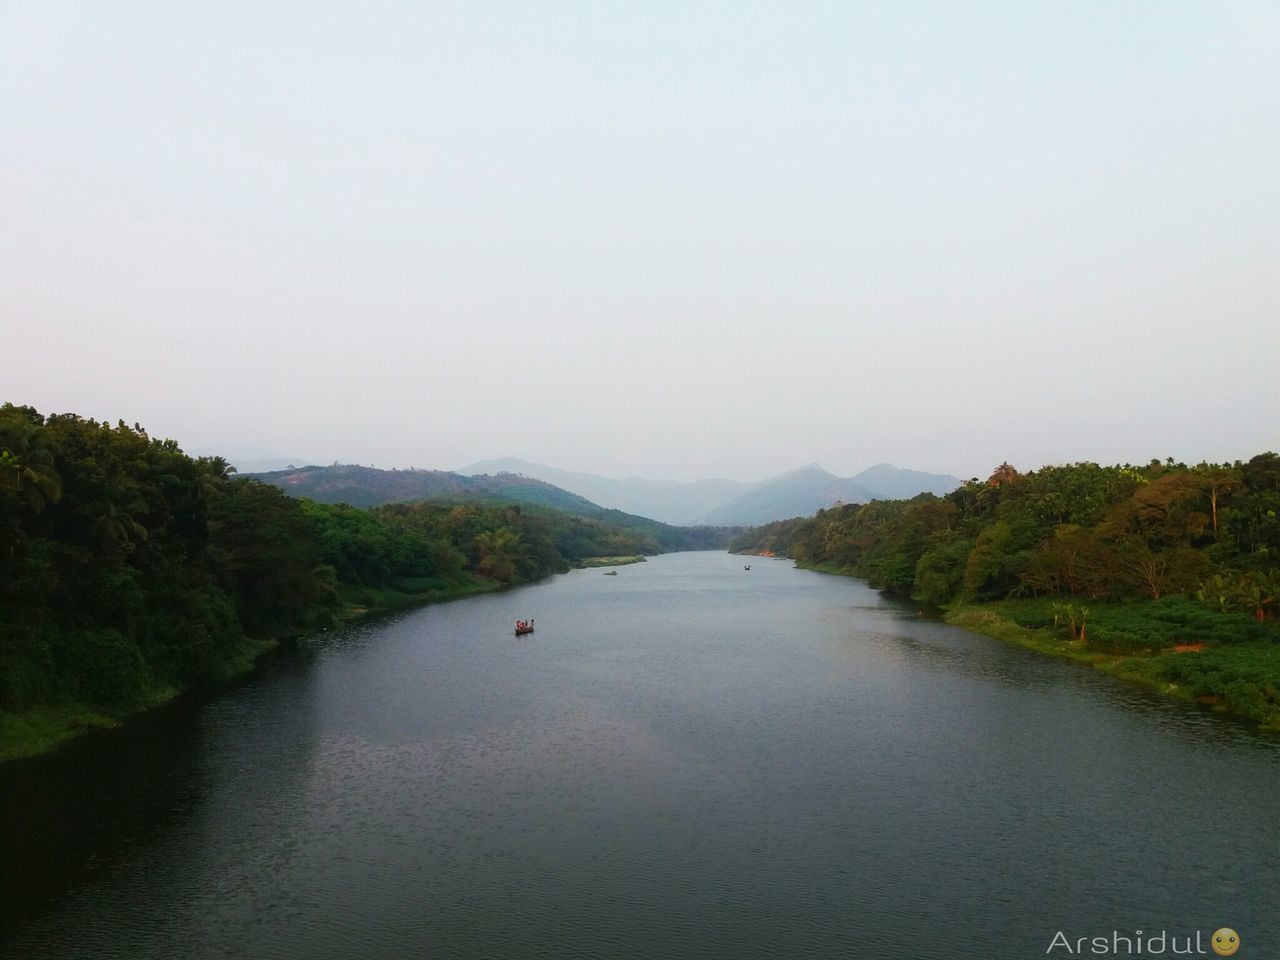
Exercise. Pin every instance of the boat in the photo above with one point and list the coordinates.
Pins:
(612, 573)
(526, 628)
(747, 567)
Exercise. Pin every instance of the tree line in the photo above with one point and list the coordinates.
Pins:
(1209, 532)
(130, 570)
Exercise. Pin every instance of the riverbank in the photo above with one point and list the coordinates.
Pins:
(1227, 661)
(42, 729)
(29, 733)
(1239, 678)
(363, 601)
(589, 562)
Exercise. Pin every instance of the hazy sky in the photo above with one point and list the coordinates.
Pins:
(670, 240)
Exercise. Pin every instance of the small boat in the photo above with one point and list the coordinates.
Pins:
(522, 629)
(747, 567)
(612, 573)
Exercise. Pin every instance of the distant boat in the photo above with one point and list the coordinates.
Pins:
(747, 567)
(612, 573)
(522, 630)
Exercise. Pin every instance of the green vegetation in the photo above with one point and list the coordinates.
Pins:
(130, 571)
(608, 561)
(1166, 574)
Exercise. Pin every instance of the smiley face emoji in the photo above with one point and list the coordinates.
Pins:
(1225, 942)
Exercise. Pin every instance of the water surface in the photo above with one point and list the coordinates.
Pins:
(685, 760)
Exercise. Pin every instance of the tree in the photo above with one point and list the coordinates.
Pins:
(939, 573)
(998, 557)
(1074, 560)
(1157, 572)
(1003, 476)
(214, 472)
(498, 554)
(1217, 482)
(269, 557)
(26, 465)
(1258, 592)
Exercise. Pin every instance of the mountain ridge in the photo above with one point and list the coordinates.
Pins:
(803, 490)
(361, 486)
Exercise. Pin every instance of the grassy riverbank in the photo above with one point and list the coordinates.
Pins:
(1176, 653)
(587, 562)
(408, 592)
(1183, 648)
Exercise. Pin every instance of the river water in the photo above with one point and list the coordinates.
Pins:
(686, 760)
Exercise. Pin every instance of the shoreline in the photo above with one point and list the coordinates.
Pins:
(587, 563)
(41, 731)
(1136, 668)
(1230, 689)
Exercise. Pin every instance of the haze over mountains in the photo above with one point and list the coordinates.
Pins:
(729, 502)
(722, 503)
(248, 459)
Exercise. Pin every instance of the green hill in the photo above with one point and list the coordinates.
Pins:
(369, 487)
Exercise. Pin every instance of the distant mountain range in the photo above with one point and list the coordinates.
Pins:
(719, 503)
(798, 493)
(248, 459)
(370, 487)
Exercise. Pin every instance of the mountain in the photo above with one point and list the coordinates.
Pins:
(665, 500)
(797, 493)
(716, 503)
(370, 487)
(250, 459)
(269, 464)
(888, 482)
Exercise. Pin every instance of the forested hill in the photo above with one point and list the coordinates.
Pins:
(368, 486)
(130, 571)
(1144, 563)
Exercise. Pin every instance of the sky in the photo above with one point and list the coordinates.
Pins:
(670, 240)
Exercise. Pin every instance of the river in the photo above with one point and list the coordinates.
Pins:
(686, 760)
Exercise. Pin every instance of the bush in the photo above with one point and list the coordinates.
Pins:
(107, 669)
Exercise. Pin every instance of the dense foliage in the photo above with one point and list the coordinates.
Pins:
(129, 570)
(1081, 532)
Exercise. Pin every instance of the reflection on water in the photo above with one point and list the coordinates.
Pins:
(686, 760)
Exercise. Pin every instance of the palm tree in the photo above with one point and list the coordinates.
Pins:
(1003, 475)
(118, 517)
(26, 467)
(117, 525)
(214, 472)
(499, 554)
